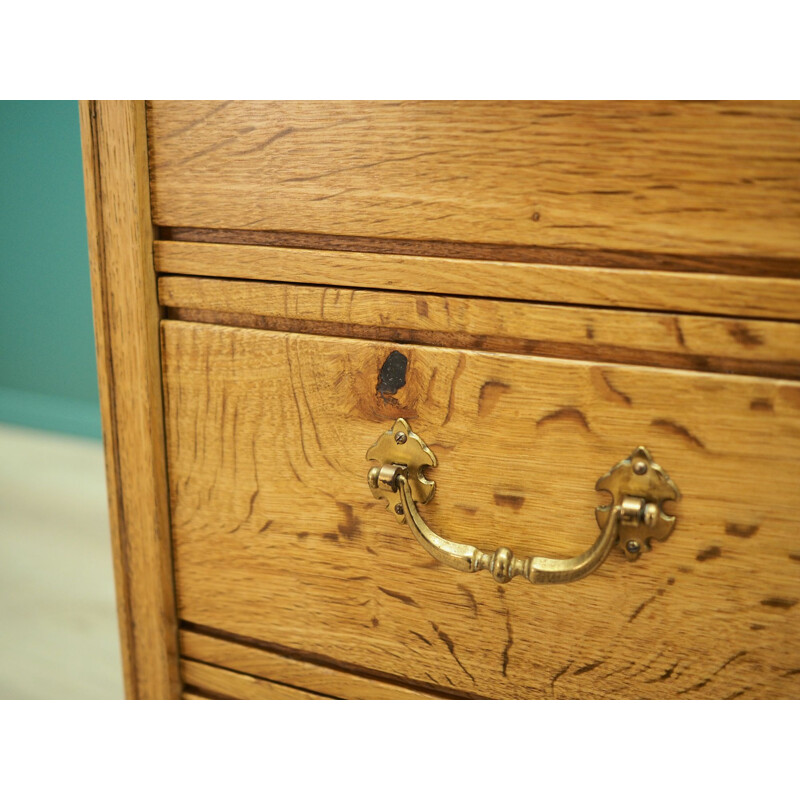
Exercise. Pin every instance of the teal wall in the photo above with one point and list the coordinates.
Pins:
(48, 375)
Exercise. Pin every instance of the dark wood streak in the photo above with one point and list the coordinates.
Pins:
(588, 667)
(709, 553)
(462, 363)
(565, 413)
(556, 677)
(351, 527)
(420, 636)
(452, 648)
(716, 672)
(676, 324)
(618, 670)
(650, 663)
(779, 602)
(249, 513)
(666, 675)
(473, 603)
(641, 608)
(509, 642)
(673, 427)
(409, 601)
(743, 335)
(509, 500)
(490, 395)
(613, 389)
(742, 531)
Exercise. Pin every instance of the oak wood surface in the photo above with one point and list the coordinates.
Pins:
(293, 671)
(616, 259)
(126, 316)
(225, 684)
(730, 295)
(700, 179)
(750, 347)
(277, 537)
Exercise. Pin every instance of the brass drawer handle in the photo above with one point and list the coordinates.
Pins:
(637, 484)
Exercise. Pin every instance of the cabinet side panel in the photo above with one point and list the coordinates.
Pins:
(126, 318)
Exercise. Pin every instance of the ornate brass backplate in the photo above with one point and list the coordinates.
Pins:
(639, 476)
(401, 446)
(638, 486)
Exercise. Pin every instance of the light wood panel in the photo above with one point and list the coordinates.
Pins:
(277, 537)
(700, 179)
(731, 295)
(126, 316)
(293, 671)
(235, 686)
(750, 347)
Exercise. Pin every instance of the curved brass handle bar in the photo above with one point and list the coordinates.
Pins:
(503, 564)
(637, 485)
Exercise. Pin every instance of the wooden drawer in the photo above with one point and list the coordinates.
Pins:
(708, 186)
(278, 540)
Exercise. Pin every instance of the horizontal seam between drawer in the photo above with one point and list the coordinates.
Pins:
(483, 251)
(709, 365)
(226, 668)
(489, 298)
(324, 661)
(206, 694)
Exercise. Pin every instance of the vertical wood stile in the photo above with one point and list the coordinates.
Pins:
(126, 317)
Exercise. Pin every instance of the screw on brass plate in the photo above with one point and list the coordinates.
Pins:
(632, 546)
(398, 509)
(640, 467)
(400, 437)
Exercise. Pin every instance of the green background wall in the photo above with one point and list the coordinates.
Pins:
(48, 373)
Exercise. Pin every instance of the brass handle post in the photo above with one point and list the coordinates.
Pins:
(637, 484)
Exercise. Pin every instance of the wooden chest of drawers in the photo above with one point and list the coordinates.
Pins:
(535, 290)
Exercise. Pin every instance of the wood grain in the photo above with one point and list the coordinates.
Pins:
(617, 259)
(700, 179)
(748, 347)
(274, 666)
(126, 316)
(277, 537)
(224, 684)
(730, 295)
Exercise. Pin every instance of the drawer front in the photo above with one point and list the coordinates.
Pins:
(278, 539)
(656, 184)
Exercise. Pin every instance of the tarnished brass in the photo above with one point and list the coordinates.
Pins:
(637, 485)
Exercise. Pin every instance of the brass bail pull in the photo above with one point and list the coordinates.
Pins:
(637, 484)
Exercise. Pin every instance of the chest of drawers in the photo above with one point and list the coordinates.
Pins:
(307, 313)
